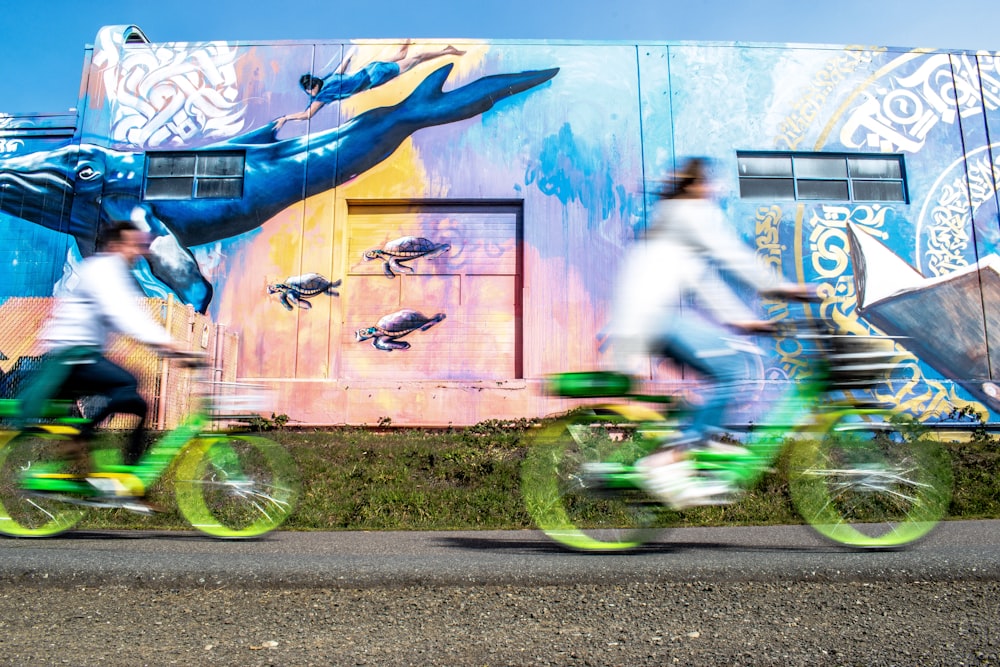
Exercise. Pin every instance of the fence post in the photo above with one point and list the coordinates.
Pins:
(164, 391)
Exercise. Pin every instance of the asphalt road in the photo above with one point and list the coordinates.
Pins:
(955, 551)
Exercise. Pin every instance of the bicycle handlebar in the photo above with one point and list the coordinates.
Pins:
(187, 359)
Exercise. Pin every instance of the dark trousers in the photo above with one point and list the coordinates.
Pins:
(69, 375)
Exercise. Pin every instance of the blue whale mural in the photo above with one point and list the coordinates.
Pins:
(79, 188)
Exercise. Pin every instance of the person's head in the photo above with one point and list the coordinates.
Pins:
(691, 181)
(126, 239)
(311, 84)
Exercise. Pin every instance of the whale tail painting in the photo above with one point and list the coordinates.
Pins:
(96, 185)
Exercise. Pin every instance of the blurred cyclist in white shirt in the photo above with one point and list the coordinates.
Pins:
(75, 339)
(671, 301)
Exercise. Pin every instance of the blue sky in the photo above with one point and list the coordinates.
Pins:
(42, 41)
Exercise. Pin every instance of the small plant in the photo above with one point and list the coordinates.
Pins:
(384, 422)
(260, 423)
(968, 414)
(500, 426)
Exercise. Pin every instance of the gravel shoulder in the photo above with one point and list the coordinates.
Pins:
(745, 623)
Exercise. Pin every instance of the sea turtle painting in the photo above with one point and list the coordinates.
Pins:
(298, 290)
(388, 330)
(405, 249)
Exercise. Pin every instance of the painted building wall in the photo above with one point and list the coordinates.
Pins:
(506, 180)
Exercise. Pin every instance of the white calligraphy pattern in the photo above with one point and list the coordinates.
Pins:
(944, 87)
(944, 220)
(8, 145)
(164, 95)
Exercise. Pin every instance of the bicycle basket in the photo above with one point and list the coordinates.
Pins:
(859, 362)
(236, 401)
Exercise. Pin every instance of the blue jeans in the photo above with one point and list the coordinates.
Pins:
(705, 347)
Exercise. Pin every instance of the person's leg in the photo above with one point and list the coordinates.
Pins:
(707, 348)
(49, 382)
(107, 379)
(43, 385)
(668, 473)
(401, 54)
(406, 64)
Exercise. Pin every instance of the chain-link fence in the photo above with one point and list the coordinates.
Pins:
(168, 388)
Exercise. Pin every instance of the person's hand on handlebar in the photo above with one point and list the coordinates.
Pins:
(793, 292)
(750, 327)
(173, 350)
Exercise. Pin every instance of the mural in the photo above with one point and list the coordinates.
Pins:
(298, 290)
(466, 205)
(388, 330)
(105, 184)
(397, 251)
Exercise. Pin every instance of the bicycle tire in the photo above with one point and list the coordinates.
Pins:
(881, 483)
(24, 514)
(236, 486)
(556, 493)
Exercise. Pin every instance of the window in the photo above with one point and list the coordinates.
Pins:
(208, 175)
(822, 176)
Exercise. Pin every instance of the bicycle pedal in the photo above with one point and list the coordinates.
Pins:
(140, 506)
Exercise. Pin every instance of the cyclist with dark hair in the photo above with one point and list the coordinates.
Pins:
(672, 301)
(75, 339)
(339, 85)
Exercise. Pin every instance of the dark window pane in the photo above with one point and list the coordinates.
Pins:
(833, 190)
(170, 165)
(820, 167)
(169, 188)
(767, 188)
(225, 188)
(220, 165)
(878, 191)
(875, 168)
(759, 165)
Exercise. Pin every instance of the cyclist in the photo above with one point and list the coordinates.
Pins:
(75, 338)
(672, 301)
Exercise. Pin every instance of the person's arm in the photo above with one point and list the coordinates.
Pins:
(702, 226)
(302, 115)
(344, 64)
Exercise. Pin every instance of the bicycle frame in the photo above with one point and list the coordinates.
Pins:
(134, 479)
(849, 462)
(226, 484)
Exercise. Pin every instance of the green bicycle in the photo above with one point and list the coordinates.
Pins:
(861, 475)
(227, 485)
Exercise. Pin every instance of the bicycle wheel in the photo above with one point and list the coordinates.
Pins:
(560, 491)
(236, 486)
(24, 513)
(874, 484)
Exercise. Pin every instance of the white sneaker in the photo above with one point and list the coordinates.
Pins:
(677, 486)
(725, 448)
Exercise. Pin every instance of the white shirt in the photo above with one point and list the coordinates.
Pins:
(104, 301)
(678, 263)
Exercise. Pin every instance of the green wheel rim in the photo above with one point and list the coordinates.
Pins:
(881, 485)
(23, 515)
(572, 516)
(236, 487)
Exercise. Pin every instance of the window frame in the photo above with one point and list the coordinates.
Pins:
(801, 183)
(196, 176)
